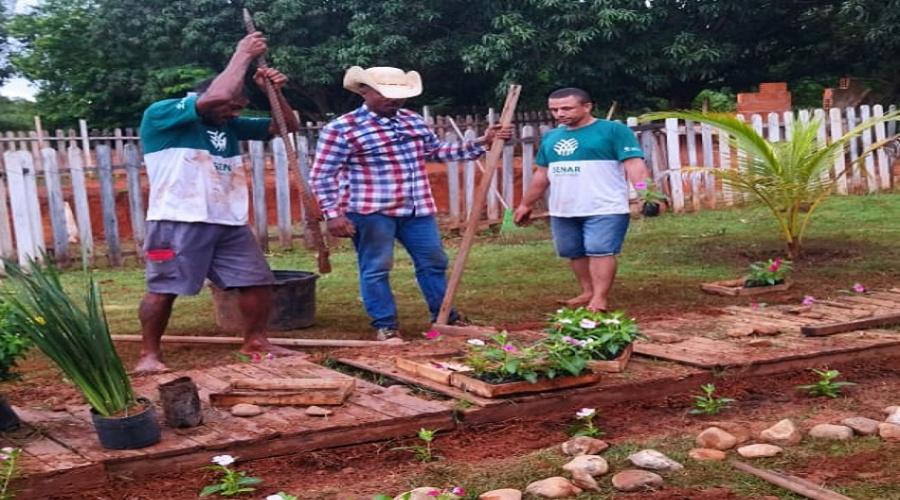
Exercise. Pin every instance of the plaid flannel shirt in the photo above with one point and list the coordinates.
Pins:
(366, 163)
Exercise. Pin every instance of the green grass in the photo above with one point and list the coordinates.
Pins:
(517, 278)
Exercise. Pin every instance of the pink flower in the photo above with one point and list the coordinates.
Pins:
(269, 355)
(808, 300)
(859, 288)
(256, 357)
(510, 348)
(432, 334)
(570, 340)
(434, 493)
(456, 490)
(754, 305)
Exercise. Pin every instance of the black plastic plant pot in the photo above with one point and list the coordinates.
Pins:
(9, 421)
(128, 433)
(650, 209)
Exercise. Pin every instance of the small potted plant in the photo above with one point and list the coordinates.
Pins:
(650, 198)
(763, 277)
(75, 336)
(605, 337)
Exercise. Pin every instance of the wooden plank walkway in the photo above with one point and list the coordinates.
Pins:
(61, 452)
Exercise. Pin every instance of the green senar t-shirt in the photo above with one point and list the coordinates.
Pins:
(585, 168)
(195, 171)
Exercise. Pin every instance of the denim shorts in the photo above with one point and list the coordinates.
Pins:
(589, 236)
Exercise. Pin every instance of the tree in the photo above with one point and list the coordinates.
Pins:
(789, 177)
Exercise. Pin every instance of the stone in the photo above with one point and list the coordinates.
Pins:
(654, 460)
(891, 409)
(893, 418)
(245, 410)
(783, 433)
(592, 465)
(766, 330)
(716, 439)
(665, 338)
(501, 494)
(831, 431)
(889, 432)
(706, 454)
(759, 343)
(318, 411)
(861, 425)
(740, 430)
(584, 445)
(759, 451)
(630, 481)
(739, 332)
(553, 487)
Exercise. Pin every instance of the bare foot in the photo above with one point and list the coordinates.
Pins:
(578, 301)
(150, 364)
(597, 307)
(266, 347)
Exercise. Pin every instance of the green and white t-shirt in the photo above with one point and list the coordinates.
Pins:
(195, 171)
(585, 168)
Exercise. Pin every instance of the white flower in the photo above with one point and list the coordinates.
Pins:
(223, 460)
(566, 321)
(611, 321)
(275, 497)
(476, 341)
(560, 311)
(586, 323)
(586, 412)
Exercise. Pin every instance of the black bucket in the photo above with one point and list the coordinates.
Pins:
(128, 433)
(9, 420)
(293, 302)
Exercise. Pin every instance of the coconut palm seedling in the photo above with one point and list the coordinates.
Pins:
(826, 385)
(791, 177)
(707, 404)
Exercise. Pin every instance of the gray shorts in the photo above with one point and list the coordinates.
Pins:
(181, 255)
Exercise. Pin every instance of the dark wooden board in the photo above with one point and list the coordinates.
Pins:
(849, 326)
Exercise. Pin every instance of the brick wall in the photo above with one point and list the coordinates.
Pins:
(772, 97)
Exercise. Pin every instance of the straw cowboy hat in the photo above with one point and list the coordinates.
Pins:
(392, 83)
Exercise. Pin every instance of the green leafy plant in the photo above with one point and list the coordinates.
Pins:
(707, 404)
(500, 359)
(767, 273)
(826, 385)
(600, 335)
(231, 482)
(423, 452)
(791, 177)
(9, 458)
(73, 334)
(14, 344)
(586, 426)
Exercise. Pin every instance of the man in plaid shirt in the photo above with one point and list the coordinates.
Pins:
(370, 178)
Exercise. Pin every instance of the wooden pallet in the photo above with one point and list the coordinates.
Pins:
(66, 452)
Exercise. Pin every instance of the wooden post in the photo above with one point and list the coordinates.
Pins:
(509, 108)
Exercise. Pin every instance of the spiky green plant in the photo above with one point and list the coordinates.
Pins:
(789, 177)
(73, 334)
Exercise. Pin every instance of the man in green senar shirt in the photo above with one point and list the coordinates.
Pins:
(587, 164)
(198, 207)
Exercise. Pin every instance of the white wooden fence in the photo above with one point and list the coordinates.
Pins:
(83, 196)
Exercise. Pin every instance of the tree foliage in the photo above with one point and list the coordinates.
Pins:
(105, 60)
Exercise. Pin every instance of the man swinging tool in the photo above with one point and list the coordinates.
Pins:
(198, 207)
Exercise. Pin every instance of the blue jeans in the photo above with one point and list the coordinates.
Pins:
(374, 243)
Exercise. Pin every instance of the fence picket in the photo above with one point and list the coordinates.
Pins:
(108, 204)
(82, 207)
(135, 198)
(673, 148)
(56, 208)
(840, 165)
(258, 198)
(23, 200)
(282, 191)
(884, 169)
(7, 249)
